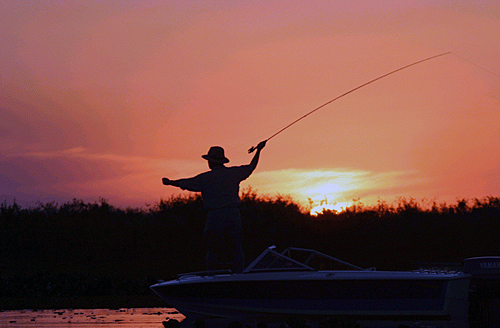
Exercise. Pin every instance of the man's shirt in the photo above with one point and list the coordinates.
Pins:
(220, 186)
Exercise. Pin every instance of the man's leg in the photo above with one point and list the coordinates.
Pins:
(211, 260)
(235, 232)
(238, 257)
(211, 239)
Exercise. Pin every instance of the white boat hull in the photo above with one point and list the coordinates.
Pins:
(362, 295)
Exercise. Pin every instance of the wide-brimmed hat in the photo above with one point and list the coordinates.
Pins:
(216, 155)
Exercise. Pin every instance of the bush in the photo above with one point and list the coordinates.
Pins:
(59, 250)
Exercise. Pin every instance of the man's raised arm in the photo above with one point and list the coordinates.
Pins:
(255, 159)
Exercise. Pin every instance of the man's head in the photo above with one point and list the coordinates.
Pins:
(215, 156)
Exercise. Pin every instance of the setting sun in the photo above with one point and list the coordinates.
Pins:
(337, 207)
(332, 189)
(318, 190)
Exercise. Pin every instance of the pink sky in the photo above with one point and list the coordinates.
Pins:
(104, 98)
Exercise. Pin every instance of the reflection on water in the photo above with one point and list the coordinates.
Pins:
(155, 318)
(86, 318)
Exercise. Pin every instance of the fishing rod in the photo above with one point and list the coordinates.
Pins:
(348, 92)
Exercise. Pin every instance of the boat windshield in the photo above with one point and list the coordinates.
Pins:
(296, 259)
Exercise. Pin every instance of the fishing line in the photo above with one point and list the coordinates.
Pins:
(348, 92)
(484, 69)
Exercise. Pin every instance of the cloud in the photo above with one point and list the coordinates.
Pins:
(78, 173)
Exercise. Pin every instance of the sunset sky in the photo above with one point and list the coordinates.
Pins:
(104, 98)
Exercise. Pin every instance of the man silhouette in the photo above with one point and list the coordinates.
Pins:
(219, 189)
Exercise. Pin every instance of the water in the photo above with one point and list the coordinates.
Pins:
(86, 318)
(147, 318)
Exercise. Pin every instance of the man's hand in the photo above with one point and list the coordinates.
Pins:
(261, 145)
(166, 181)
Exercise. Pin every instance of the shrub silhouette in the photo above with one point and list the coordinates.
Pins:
(88, 249)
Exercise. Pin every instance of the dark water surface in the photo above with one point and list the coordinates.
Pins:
(86, 318)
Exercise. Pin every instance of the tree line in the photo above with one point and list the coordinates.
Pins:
(93, 249)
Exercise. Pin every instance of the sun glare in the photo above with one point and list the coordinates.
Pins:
(330, 190)
(336, 208)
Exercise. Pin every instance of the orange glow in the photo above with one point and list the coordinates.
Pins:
(103, 99)
(337, 189)
(336, 208)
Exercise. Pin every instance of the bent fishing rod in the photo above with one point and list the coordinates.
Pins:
(348, 92)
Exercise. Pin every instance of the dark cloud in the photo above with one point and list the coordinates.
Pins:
(48, 176)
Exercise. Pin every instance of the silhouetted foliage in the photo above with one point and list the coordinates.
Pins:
(94, 249)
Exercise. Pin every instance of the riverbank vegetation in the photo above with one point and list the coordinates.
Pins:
(80, 254)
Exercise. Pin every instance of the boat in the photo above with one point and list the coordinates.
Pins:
(308, 283)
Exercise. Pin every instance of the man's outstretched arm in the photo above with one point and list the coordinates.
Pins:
(168, 182)
(191, 184)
